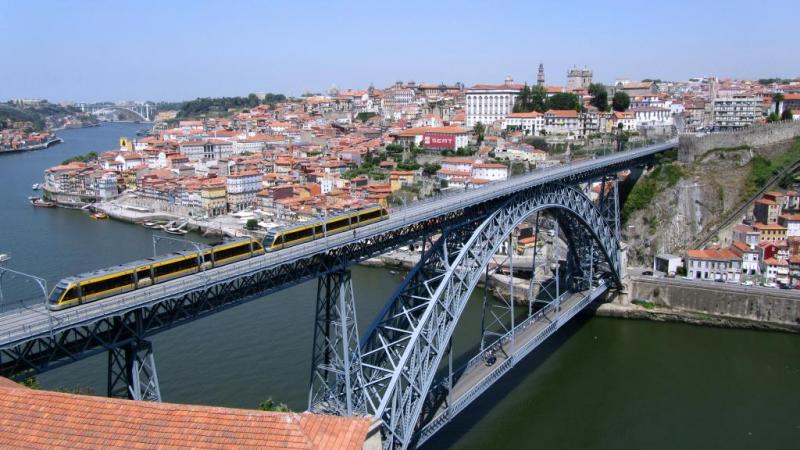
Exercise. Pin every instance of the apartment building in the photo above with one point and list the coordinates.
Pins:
(714, 264)
(735, 111)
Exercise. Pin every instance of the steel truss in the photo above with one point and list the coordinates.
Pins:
(98, 334)
(132, 372)
(405, 345)
(336, 360)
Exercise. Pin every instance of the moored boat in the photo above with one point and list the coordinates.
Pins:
(35, 186)
(38, 202)
(99, 215)
(176, 228)
(153, 225)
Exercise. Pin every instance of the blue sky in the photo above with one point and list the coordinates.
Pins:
(174, 50)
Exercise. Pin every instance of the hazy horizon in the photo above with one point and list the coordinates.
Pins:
(180, 51)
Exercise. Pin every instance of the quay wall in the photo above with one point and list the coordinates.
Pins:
(710, 302)
(691, 146)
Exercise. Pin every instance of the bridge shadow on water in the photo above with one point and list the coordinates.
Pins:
(506, 385)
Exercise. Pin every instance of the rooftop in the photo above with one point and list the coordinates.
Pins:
(39, 419)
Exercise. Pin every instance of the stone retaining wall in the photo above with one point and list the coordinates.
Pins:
(692, 146)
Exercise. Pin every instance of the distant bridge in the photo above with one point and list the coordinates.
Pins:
(144, 111)
(400, 371)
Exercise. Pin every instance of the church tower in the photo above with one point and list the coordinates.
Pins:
(540, 76)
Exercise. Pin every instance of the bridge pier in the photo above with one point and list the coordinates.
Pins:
(132, 372)
(336, 357)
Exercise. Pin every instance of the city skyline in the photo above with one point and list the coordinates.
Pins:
(175, 52)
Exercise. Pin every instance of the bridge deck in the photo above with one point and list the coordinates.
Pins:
(518, 343)
(29, 322)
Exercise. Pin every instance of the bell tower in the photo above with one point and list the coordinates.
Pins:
(540, 76)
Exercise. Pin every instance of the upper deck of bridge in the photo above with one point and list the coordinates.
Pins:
(25, 323)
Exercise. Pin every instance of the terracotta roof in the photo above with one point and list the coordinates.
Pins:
(713, 254)
(34, 419)
(562, 113)
(524, 115)
(768, 226)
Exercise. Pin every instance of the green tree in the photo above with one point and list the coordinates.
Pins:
(430, 169)
(787, 115)
(621, 101)
(778, 99)
(599, 96)
(564, 100)
(251, 224)
(523, 100)
(517, 168)
(479, 129)
(270, 405)
(364, 116)
(773, 117)
(531, 99)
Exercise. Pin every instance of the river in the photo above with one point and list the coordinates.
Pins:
(597, 384)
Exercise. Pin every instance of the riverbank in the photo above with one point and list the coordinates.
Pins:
(651, 312)
(42, 146)
(705, 303)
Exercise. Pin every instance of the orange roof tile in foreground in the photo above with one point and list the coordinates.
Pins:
(38, 419)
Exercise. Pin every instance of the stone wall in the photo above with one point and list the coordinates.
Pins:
(708, 297)
(692, 146)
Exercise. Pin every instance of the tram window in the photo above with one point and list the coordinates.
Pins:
(318, 230)
(72, 293)
(107, 284)
(338, 223)
(56, 295)
(231, 252)
(299, 234)
(143, 273)
(370, 215)
(177, 266)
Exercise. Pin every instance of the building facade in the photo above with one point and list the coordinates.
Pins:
(489, 103)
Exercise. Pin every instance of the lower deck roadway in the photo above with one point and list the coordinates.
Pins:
(527, 335)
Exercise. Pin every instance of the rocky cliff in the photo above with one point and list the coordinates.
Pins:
(699, 194)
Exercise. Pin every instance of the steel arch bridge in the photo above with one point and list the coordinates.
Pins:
(389, 374)
(396, 371)
(144, 112)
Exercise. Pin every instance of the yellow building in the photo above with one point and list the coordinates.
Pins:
(129, 179)
(771, 232)
(214, 197)
(400, 178)
(125, 144)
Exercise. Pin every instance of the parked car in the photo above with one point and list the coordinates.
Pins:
(648, 273)
(748, 283)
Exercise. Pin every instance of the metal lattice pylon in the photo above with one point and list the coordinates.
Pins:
(132, 372)
(336, 366)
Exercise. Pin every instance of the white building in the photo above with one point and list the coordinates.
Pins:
(713, 264)
(735, 111)
(563, 122)
(242, 188)
(490, 171)
(489, 103)
(212, 149)
(529, 122)
(652, 117)
(792, 223)
(750, 257)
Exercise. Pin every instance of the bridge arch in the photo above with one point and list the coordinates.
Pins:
(404, 346)
(133, 111)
